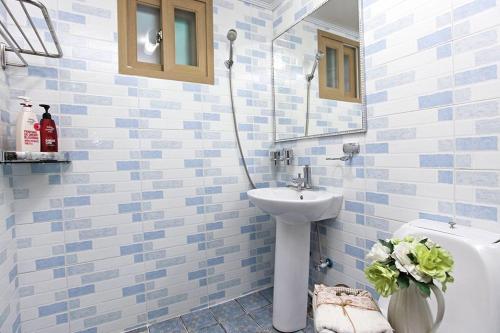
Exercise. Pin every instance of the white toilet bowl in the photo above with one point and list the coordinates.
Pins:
(473, 300)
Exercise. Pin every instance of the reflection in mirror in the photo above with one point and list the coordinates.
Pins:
(317, 74)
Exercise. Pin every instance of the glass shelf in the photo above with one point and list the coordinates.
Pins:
(16, 157)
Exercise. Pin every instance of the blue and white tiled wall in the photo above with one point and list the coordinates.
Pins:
(151, 219)
(431, 150)
(9, 302)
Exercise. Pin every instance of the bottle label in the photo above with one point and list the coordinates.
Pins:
(30, 137)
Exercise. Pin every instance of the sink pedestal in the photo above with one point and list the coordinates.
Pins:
(291, 274)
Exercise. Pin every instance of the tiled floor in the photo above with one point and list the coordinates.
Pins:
(248, 314)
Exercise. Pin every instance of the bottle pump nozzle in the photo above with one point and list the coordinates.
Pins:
(26, 101)
(46, 115)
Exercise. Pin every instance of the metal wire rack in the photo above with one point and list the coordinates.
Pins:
(10, 44)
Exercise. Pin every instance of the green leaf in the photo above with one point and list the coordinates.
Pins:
(412, 258)
(423, 241)
(403, 281)
(387, 244)
(424, 288)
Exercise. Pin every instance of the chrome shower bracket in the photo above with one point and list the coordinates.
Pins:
(350, 149)
(285, 155)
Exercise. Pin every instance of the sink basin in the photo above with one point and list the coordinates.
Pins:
(294, 211)
(297, 207)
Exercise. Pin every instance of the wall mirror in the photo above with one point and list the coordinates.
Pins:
(318, 74)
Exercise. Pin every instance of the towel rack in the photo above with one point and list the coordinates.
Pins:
(12, 45)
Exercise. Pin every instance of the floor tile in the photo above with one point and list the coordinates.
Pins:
(268, 294)
(139, 330)
(253, 302)
(198, 319)
(243, 324)
(264, 317)
(212, 329)
(170, 326)
(227, 311)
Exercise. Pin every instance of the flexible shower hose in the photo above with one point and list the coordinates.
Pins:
(236, 129)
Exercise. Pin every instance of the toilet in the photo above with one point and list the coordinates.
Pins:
(473, 300)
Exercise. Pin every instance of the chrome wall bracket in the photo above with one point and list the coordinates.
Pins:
(285, 155)
(12, 44)
(350, 149)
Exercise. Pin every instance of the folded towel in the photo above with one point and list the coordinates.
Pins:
(346, 310)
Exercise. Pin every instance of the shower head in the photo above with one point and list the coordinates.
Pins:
(231, 36)
(319, 55)
(317, 59)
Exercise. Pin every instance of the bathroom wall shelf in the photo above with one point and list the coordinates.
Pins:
(26, 44)
(15, 157)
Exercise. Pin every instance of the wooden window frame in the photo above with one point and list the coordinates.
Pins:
(203, 72)
(327, 39)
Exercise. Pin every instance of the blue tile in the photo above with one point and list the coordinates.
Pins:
(49, 262)
(445, 177)
(252, 302)
(170, 326)
(80, 291)
(377, 148)
(78, 246)
(356, 207)
(437, 161)
(226, 311)
(379, 198)
(476, 75)
(51, 309)
(476, 211)
(211, 329)
(472, 8)
(132, 290)
(263, 317)
(355, 251)
(199, 319)
(475, 144)
(436, 99)
(375, 47)
(435, 38)
(243, 324)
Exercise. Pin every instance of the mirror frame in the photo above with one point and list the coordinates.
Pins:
(362, 87)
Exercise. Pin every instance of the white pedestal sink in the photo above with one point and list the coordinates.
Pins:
(294, 212)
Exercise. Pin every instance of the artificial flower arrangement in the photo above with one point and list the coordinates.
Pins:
(396, 262)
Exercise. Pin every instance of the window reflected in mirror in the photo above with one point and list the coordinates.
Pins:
(317, 74)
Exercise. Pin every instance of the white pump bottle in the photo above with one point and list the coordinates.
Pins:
(27, 128)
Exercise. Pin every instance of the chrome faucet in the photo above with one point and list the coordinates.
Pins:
(297, 183)
(303, 183)
(307, 177)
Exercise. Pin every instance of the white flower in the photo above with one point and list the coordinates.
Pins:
(430, 244)
(404, 263)
(378, 252)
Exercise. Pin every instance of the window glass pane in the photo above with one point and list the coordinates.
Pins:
(185, 38)
(347, 74)
(350, 79)
(148, 25)
(332, 80)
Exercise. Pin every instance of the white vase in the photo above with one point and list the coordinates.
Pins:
(409, 311)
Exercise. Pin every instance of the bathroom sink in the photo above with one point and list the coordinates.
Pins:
(293, 206)
(294, 211)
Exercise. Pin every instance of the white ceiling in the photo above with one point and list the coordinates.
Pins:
(268, 4)
(342, 13)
